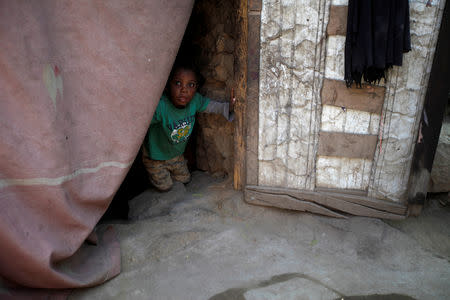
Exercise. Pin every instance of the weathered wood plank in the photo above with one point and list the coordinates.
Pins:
(254, 5)
(240, 78)
(252, 110)
(361, 193)
(338, 20)
(287, 202)
(332, 201)
(370, 98)
(341, 144)
(388, 206)
(340, 195)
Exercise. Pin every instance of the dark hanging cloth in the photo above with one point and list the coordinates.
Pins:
(377, 36)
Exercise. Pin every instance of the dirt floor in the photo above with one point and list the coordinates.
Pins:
(202, 241)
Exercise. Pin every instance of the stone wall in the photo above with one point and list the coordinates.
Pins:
(440, 174)
(304, 107)
(212, 37)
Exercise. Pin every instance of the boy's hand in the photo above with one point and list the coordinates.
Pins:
(232, 100)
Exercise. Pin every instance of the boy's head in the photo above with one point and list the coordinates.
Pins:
(183, 83)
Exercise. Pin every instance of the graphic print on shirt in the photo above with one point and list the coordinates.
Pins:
(181, 129)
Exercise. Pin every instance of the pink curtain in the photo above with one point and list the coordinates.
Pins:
(79, 81)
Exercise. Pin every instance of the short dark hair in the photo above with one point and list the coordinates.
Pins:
(187, 63)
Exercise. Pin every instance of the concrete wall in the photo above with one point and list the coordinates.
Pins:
(314, 132)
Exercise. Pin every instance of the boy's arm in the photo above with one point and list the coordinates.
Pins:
(222, 108)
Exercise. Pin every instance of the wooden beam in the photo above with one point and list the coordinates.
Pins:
(344, 203)
(388, 206)
(369, 98)
(341, 144)
(240, 78)
(254, 5)
(288, 202)
(339, 196)
(338, 20)
(252, 110)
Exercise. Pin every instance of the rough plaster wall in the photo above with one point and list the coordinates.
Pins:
(290, 103)
(405, 90)
(343, 172)
(291, 76)
(405, 93)
(337, 119)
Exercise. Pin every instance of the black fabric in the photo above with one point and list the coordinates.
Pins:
(377, 36)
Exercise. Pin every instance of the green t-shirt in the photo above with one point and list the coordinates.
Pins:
(171, 127)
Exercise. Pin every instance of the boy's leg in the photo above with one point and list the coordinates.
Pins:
(179, 169)
(158, 172)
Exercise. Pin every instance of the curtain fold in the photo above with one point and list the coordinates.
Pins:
(79, 82)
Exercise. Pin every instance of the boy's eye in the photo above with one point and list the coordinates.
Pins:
(189, 85)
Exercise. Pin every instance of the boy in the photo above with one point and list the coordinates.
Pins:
(172, 125)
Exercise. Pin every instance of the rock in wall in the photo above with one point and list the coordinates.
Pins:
(212, 33)
(440, 173)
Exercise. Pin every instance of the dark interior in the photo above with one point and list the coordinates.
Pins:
(210, 39)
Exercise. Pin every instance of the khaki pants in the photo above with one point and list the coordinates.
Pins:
(161, 172)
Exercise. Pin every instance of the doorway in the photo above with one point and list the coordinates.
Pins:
(216, 39)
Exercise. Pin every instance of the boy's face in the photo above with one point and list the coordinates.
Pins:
(182, 87)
